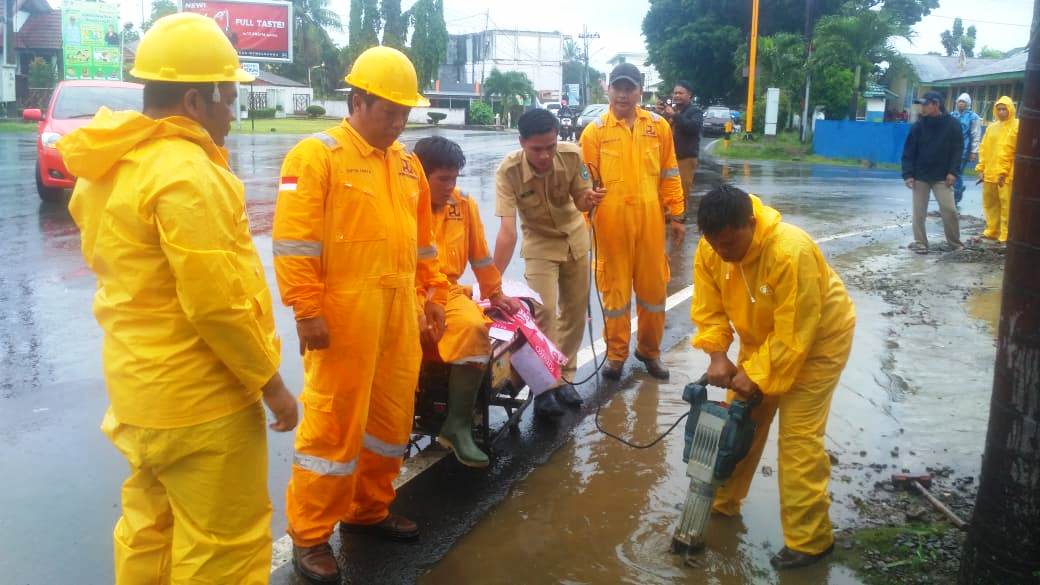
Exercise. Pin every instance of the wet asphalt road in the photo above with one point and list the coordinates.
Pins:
(59, 477)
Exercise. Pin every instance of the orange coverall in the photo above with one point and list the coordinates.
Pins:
(638, 168)
(353, 243)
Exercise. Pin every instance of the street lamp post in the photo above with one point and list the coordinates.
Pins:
(309, 83)
(753, 57)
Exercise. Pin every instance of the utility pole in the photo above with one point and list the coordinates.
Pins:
(1004, 535)
(808, 72)
(752, 62)
(586, 36)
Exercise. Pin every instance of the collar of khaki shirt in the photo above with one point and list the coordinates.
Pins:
(527, 173)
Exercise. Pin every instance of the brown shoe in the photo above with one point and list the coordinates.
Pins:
(612, 370)
(654, 367)
(316, 564)
(393, 527)
(792, 559)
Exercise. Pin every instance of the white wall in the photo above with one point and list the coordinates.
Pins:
(280, 96)
(334, 108)
(455, 115)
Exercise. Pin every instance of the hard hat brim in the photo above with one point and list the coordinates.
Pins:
(239, 76)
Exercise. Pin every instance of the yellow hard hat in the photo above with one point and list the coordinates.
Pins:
(387, 73)
(187, 48)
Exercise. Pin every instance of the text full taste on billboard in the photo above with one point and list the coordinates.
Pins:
(258, 29)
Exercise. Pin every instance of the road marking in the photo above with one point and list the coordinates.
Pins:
(282, 548)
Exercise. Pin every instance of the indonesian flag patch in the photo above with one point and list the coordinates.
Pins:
(287, 184)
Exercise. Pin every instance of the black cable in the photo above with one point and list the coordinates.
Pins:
(634, 445)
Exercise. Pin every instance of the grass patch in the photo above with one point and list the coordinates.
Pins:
(16, 126)
(290, 126)
(785, 147)
(881, 556)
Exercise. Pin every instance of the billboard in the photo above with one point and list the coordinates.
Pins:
(259, 30)
(91, 42)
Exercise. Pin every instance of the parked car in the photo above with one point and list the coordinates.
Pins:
(72, 106)
(715, 119)
(588, 115)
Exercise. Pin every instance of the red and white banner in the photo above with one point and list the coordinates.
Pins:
(259, 30)
(538, 362)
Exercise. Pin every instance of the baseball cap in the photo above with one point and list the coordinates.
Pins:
(931, 96)
(626, 71)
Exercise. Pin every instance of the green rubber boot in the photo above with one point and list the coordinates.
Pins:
(457, 431)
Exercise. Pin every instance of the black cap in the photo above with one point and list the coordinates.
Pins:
(628, 72)
(931, 96)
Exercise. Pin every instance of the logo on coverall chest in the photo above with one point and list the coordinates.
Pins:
(407, 170)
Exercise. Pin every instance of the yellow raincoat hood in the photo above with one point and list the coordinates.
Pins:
(182, 298)
(783, 299)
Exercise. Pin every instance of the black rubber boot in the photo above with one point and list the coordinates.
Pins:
(546, 406)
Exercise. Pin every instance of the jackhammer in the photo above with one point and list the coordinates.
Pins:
(718, 436)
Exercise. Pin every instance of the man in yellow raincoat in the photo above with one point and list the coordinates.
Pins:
(996, 168)
(190, 344)
(631, 150)
(769, 281)
(356, 261)
(459, 234)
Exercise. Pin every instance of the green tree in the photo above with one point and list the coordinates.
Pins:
(573, 72)
(395, 25)
(832, 89)
(160, 8)
(371, 21)
(571, 52)
(130, 34)
(781, 64)
(511, 89)
(957, 38)
(858, 42)
(41, 74)
(429, 39)
(988, 53)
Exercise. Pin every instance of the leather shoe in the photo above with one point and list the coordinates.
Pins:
(546, 406)
(393, 527)
(792, 559)
(612, 370)
(568, 396)
(654, 367)
(317, 564)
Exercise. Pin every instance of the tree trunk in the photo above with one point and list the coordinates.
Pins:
(1004, 537)
(854, 100)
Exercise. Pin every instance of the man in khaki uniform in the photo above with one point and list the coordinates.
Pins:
(547, 183)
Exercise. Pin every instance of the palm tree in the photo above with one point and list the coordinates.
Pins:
(570, 51)
(858, 41)
(313, 18)
(511, 88)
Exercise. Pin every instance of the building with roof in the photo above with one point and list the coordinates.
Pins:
(271, 90)
(985, 80)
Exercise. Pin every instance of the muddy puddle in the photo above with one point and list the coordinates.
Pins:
(602, 512)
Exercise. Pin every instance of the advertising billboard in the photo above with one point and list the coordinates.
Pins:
(259, 30)
(92, 45)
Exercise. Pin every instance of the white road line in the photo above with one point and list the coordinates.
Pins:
(282, 553)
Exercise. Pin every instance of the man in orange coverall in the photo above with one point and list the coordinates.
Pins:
(355, 259)
(459, 234)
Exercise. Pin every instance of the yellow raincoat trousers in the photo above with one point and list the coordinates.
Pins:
(189, 340)
(996, 158)
(639, 170)
(460, 241)
(795, 321)
(353, 243)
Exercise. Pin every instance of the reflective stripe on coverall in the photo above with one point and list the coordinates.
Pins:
(996, 158)
(189, 340)
(796, 322)
(460, 241)
(639, 171)
(353, 243)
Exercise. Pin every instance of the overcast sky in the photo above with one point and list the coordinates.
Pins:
(1001, 24)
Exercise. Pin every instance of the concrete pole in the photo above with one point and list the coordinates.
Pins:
(1004, 535)
(752, 60)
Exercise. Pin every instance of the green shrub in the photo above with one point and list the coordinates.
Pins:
(480, 114)
(261, 114)
(314, 111)
(41, 74)
(436, 117)
(279, 108)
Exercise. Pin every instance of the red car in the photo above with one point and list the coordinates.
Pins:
(73, 104)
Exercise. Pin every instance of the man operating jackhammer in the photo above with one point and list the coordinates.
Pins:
(190, 345)
(459, 234)
(355, 259)
(769, 281)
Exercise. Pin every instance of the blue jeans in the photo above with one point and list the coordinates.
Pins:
(958, 187)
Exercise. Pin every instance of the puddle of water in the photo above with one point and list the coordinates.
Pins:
(984, 305)
(601, 512)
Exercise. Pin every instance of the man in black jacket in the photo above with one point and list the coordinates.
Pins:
(931, 164)
(686, 120)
